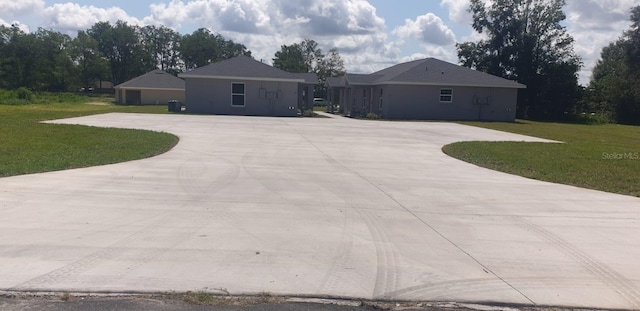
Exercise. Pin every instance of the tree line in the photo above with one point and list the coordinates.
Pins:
(526, 41)
(46, 60)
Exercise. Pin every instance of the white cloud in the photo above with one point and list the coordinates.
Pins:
(354, 26)
(21, 7)
(70, 17)
(458, 11)
(308, 17)
(594, 24)
(428, 28)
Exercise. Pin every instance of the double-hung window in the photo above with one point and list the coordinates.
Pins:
(446, 95)
(237, 95)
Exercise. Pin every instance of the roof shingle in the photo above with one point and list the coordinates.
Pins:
(247, 67)
(432, 71)
(156, 79)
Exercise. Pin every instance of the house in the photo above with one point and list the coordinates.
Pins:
(426, 89)
(244, 86)
(153, 88)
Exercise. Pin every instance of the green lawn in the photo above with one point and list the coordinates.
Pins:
(602, 157)
(27, 146)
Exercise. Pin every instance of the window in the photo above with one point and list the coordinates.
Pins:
(446, 95)
(381, 101)
(237, 94)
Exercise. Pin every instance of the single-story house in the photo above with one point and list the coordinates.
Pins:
(153, 88)
(426, 89)
(244, 86)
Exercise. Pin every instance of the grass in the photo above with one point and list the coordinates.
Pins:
(28, 146)
(211, 299)
(602, 157)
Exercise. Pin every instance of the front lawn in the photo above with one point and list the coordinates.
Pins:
(601, 157)
(28, 146)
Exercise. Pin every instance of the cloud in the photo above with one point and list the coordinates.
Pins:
(21, 7)
(594, 24)
(305, 17)
(353, 26)
(428, 28)
(458, 11)
(70, 17)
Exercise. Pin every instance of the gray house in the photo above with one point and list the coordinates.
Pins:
(153, 88)
(427, 89)
(244, 86)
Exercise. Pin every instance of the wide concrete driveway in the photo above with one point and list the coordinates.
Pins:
(317, 207)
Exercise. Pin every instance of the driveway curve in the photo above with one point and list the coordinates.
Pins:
(317, 207)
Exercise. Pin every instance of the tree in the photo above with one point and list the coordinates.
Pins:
(526, 42)
(91, 66)
(306, 56)
(331, 65)
(614, 89)
(163, 46)
(203, 47)
(290, 58)
(121, 46)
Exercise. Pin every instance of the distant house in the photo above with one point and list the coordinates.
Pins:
(154, 88)
(244, 86)
(427, 89)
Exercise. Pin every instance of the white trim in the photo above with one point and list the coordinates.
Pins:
(244, 95)
(450, 95)
(520, 86)
(240, 78)
(146, 88)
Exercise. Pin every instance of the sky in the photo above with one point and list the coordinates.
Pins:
(370, 35)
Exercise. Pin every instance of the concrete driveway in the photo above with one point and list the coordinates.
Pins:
(317, 207)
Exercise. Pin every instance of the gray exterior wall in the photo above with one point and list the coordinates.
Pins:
(262, 98)
(151, 96)
(422, 102)
(468, 103)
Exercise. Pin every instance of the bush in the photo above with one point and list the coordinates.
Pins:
(308, 113)
(595, 118)
(24, 93)
(372, 116)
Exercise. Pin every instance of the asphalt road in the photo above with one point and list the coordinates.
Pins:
(317, 207)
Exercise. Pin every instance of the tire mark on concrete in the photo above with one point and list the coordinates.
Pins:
(612, 278)
(436, 290)
(336, 277)
(188, 173)
(387, 270)
(114, 251)
(384, 276)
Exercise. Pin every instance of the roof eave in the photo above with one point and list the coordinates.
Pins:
(514, 86)
(240, 78)
(148, 88)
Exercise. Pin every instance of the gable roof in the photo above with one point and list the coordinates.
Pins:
(156, 79)
(309, 77)
(431, 71)
(246, 68)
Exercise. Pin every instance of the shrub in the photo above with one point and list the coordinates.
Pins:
(24, 93)
(308, 113)
(372, 116)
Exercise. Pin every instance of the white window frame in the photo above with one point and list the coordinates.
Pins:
(244, 95)
(450, 95)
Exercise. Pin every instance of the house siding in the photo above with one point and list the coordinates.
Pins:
(150, 96)
(416, 102)
(262, 98)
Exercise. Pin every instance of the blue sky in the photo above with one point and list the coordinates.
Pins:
(370, 35)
